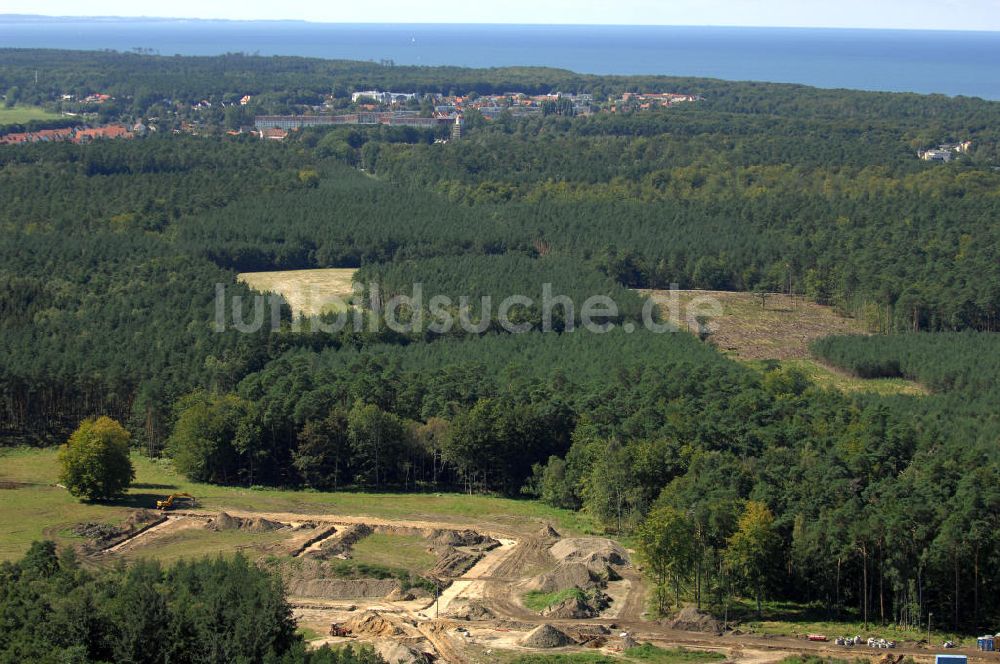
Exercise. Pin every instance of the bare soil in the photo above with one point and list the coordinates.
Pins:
(479, 612)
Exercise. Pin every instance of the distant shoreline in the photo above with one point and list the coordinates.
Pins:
(953, 63)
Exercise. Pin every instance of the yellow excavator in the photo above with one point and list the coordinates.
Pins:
(168, 502)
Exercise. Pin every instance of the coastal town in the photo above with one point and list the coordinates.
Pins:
(239, 114)
(431, 110)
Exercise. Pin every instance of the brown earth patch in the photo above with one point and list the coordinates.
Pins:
(780, 329)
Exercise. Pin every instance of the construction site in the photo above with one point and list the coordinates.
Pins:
(427, 591)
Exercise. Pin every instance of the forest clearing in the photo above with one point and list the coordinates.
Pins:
(756, 328)
(20, 114)
(308, 292)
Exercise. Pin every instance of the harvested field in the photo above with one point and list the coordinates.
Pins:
(779, 329)
(308, 292)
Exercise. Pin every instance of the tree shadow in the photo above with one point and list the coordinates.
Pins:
(137, 500)
(158, 487)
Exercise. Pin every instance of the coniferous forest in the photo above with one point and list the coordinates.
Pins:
(885, 506)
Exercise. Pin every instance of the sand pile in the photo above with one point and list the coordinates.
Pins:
(564, 576)
(262, 525)
(547, 532)
(467, 538)
(472, 610)
(453, 563)
(595, 552)
(400, 595)
(571, 607)
(583, 562)
(224, 521)
(690, 619)
(546, 636)
(398, 653)
(373, 623)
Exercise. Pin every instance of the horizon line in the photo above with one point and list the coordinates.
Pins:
(69, 17)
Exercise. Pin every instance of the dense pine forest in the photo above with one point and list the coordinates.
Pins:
(55, 610)
(886, 508)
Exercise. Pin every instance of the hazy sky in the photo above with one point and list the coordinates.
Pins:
(941, 14)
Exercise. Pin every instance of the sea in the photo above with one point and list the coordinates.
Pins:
(944, 62)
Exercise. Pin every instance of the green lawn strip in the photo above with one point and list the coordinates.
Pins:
(566, 658)
(537, 600)
(647, 652)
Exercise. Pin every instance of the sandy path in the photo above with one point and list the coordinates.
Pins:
(472, 583)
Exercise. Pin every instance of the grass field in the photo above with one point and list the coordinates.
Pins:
(37, 508)
(198, 542)
(779, 329)
(22, 114)
(308, 292)
(407, 552)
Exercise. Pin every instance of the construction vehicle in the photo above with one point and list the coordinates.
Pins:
(339, 630)
(168, 502)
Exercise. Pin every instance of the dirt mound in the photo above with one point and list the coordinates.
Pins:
(567, 575)
(454, 563)
(891, 659)
(467, 538)
(548, 532)
(262, 525)
(97, 531)
(546, 636)
(341, 542)
(139, 518)
(591, 636)
(224, 521)
(373, 623)
(690, 619)
(398, 653)
(472, 610)
(400, 595)
(597, 552)
(571, 607)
